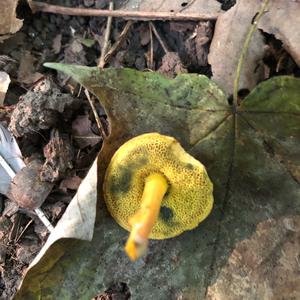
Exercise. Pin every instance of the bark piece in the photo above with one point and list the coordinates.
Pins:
(59, 156)
(41, 109)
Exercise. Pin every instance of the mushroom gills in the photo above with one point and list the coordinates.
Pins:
(144, 219)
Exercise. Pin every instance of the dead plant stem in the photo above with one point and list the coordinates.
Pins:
(158, 36)
(116, 46)
(104, 50)
(245, 50)
(98, 121)
(134, 15)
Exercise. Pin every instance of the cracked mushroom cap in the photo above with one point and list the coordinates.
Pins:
(189, 197)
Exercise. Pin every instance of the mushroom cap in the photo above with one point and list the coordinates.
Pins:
(189, 197)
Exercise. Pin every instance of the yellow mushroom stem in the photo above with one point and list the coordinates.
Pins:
(144, 219)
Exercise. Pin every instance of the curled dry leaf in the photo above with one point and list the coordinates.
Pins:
(9, 24)
(27, 71)
(283, 20)
(226, 47)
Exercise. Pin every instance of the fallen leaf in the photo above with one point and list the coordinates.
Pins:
(227, 44)
(27, 72)
(264, 266)
(171, 65)
(9, 24)
(59, 156)
(201, 6)
(246, 150)
(82, 132)
(4, 83)
(281, 19)
(71, 183)
(56, 45)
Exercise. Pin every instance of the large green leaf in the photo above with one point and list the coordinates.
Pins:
(252, 156)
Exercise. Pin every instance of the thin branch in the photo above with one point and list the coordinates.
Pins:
(245, 50)
(160, 39)
(116, 46)
(151, 64)
(106, 38)
(135, 15)
(98, 121)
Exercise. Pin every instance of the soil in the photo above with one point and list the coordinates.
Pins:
(63, 135)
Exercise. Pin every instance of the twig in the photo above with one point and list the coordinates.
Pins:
(22, 232)
(187, 5)
(106, 38)
(151, 49)
(44, 219)
(119, 42)
(161, 41)
(135, 15)
(98, 121)
(245, 50)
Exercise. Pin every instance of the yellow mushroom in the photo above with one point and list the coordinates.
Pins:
(154, 189)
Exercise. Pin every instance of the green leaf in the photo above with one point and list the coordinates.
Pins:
(251, 156)
(86, 42)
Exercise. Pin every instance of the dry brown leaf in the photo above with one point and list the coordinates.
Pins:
(71, 183)
(226, 47)
(266, 266)
(26, 73)
(56, 44)
(9, 24)
(283, 20)
(201, 6)
(82, 132)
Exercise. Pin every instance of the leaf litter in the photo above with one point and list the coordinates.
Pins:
(240, 152)
(133, 58)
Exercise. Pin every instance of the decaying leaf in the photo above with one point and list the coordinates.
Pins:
(266, 266)
(281, 19)
(9, 24)
(201, 6)
(248, 152)
(82, 132)
(227, 43)
(27, 71)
